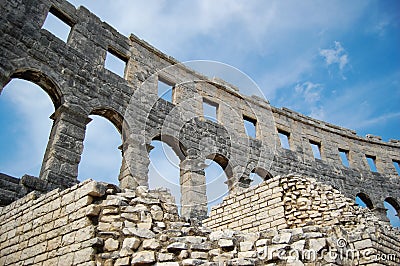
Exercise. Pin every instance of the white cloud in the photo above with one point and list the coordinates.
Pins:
(337, 55)
(310, 92)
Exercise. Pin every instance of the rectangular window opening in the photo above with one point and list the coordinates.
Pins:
(371, 162)
(284, 139)
(250, 125)
(115, 62)
(210, 110)
(58, 24)
(344, 156)
(397, 166)
(316, 148)
(165, 90)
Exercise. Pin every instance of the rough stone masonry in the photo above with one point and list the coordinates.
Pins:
(83, 224)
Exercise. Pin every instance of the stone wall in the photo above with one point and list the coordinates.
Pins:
(99, 224)
(74, 75)
(283, 202)
(49, 229)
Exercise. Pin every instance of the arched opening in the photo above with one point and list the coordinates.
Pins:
(25, 107)
(165, 155)
(392, 211)
(218, 174)
(101, 158)
(364, 201)
(259, 175)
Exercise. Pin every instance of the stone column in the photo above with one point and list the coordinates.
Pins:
(135, 164)
(64, 149)
(193, 189)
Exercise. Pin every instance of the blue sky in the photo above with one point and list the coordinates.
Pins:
(337, 61)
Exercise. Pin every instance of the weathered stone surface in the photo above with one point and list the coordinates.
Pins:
(140, 232)
(151, 244)
(167, 264)
(84, 224)
(191, 262)
(246, 246)
(143, 257)
(122, 261)
(111, 244)
(177, 246)
(131, 243)
(225, 243)
(282, 238)
(317, 244)
(165, 257)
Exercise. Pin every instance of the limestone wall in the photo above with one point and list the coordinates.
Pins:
(283, 202)
(49, 229)
(74, 75)
(99, 224)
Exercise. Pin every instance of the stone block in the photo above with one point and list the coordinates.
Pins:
(143, 257)
(122, 261)
(152, 244)
(167, 264)
(165, 257)
(177, 246)
(199, 255)
(247, 254)
(317, 244)
(193, 262)
(140, 232)
(111, 244)
(131, 243)
(225, 243)
(246, 245)
(282, 238)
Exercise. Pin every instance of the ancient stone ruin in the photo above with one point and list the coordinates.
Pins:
(302, 214)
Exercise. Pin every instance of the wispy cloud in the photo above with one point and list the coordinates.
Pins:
(310, 92)
(307, 99)
(381, 119)
(335, 56)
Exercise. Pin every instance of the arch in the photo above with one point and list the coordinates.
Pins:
(259, 175)
(25, 109)
(223, 162)
(264, 174)
(394, 203)
(43, 81)
(217, 183)
(110, 114)
(174, 143)
(365, 200)
(392, 211)
(219, 189)
(101, 158)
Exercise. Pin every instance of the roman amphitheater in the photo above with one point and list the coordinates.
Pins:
(303, 213)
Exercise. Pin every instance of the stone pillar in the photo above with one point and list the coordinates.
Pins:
(193, 189)
(64, 149)
(124, 172)
(135, 164)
